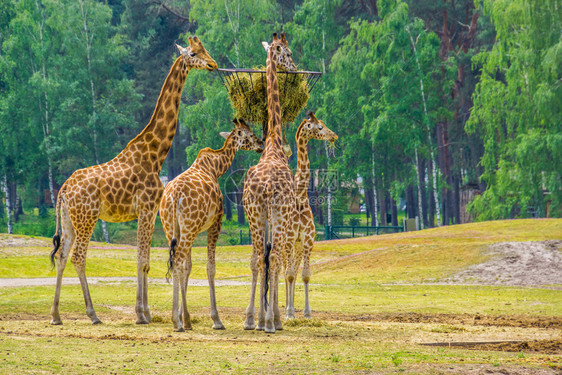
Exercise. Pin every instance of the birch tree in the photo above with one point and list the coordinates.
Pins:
(517, 111)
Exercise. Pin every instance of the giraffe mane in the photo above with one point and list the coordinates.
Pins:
(158, 103)
(300, 128)
(210, 150)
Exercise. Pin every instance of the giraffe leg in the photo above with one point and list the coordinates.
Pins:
(292, 279)
(144, 237)
(289, 254)
(67, 241)
(181, 272)
(307, 245)
(79, 261)
(275, 304)
(176, 313)
(256, 219)
(261, 311)
(278, 242)
(184, 279)
(212, 237)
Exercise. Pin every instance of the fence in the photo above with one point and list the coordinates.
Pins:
(334, 232)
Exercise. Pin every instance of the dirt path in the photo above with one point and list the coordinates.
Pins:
(48, 281)
(531, 264)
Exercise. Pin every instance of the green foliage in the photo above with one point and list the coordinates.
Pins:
(378, 93)
(79, 78)
(517, 111)
(354, 221)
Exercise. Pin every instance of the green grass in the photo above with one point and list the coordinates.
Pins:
(372, 307)
(31, 224)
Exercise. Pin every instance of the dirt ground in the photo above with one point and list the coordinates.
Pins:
(530, 264)
(516, 264)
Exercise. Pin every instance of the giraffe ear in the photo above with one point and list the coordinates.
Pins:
(182, 50)
(239, 122)
(265, 45)
(225, 134)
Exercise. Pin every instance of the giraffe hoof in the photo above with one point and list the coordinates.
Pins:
(96, 321)
(56, 322)
(142, 321)
(220, 326)
(179, 330)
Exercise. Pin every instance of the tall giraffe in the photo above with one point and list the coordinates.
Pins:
(191, 204)
(302, 229)
(125, 188)
(269, 194)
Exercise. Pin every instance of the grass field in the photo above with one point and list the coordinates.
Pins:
(377, 303)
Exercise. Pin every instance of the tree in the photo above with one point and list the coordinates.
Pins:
(381, 68)
(517, 111)
(30, 94)
(231, 32)
(463, 32)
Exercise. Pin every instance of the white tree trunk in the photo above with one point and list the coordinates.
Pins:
(329, 214)
(420, 206)
(8, 203)
(234, 27)
(375, 209)
(88, 43)
(426, 121)
(47, 115)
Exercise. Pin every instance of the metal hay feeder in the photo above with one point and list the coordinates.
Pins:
(247, 88)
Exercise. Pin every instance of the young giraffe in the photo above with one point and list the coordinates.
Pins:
(125, 188)
(302, 230)
(269, 194)
(191, 204)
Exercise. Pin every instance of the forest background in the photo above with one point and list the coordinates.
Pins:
(446, 110)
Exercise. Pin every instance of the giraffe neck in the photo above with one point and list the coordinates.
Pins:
(216, 162)
(156, 138)
(273, 141)
(302, 177)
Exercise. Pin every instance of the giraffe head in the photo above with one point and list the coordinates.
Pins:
(281, 52)
(244, 137)
(313, 128)
(196, 56)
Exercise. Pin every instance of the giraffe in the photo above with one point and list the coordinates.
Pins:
(125, 188)
(191, 204)
(302, 229)
(269, 194)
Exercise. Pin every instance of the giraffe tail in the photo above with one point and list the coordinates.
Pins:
(174, 241)
(56, 237)
(266, 253)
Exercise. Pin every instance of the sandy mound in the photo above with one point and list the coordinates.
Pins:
(10, 240)
(518, 264)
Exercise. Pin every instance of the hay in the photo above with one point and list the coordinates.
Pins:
(248, 95)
